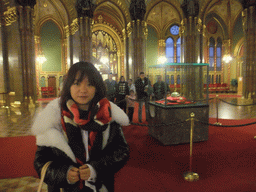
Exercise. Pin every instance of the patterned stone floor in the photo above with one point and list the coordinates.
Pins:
(16, 121)
(24, 184)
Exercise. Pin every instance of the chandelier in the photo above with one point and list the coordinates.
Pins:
(227, 58)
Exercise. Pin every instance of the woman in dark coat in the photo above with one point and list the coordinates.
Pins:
(121, 92)
(80, 132)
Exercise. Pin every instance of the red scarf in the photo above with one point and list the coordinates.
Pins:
(94, 121)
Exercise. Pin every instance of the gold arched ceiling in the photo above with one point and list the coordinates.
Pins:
(220, 8)
(122, 5)
(70, 8)
(111, 14)
(162, 15)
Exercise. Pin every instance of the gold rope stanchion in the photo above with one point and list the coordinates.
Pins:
(217, 110)
(191, 176)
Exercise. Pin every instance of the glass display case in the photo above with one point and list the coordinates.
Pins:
(185, 91)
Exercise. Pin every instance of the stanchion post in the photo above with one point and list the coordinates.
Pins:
(217, 110)
(191, 176)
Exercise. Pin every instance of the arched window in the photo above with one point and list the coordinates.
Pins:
(60, 80)
(167, 80)
(178, 50)
(218, 54)
(172, 79)
(173, 52)
(169, 50)
(178, 79)
(211, 54)
(42, 81)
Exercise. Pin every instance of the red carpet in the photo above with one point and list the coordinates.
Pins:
(224, 95)
(17, 156)
(225, 163)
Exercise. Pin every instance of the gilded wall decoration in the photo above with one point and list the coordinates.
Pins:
(10, 16)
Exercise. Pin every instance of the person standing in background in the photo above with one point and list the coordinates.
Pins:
(142, 84)
(121, 92)
(111, 86)
(131, 86)
(130, 100)
(160, 88)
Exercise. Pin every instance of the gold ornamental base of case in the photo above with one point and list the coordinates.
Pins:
(191, 176)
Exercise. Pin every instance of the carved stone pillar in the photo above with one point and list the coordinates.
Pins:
(249, 69)
(4, 54)
(192, 38)
(139, 32)
(85, 32)
(85, 10)
(127, 61)
(138, 41)
(27, 49)
(37, 67)
(227, 51)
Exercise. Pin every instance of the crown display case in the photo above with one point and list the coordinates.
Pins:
(186, 93)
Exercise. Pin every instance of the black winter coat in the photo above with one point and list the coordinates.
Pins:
(112, 158)
(53, 146)
(140, 88)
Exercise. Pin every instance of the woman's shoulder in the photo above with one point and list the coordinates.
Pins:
(118, 115)
(49, 117)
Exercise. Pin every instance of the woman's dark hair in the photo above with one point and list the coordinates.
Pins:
(122, 77)
(88, 70)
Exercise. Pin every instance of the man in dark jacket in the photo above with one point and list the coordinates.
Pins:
(160, 88)
(142, 85)
(111, 86)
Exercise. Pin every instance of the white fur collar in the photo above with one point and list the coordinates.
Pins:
(48, 129)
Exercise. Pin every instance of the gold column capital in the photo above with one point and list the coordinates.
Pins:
(129, 29)
(145, 28)
(199, 25)
(10, 16)
(161, 43)
(182, 26)
(72, 28)
(37, 39)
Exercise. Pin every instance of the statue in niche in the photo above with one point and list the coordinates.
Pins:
(137, 9)
(191, 8)
(24, 3)
(84, 8)
(141, 9)
(132, 9)
(248, 3)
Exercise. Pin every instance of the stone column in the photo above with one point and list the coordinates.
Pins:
(126, 35)
(4, 54)
(249, 69)
(191, 34)
(27, 58)
(139, 32)
(85, 10)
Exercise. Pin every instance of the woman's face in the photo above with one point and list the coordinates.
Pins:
(82, 93)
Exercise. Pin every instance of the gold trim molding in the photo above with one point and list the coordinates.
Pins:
(10, 16)
(100, 20)
(145, 28)
(72, 28)
(161, 43)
